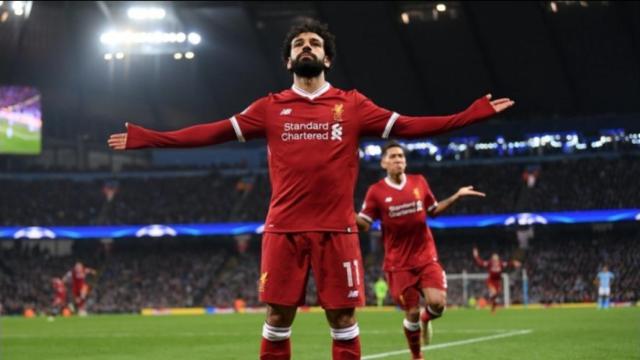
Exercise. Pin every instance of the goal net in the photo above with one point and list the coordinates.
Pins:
(464, 286)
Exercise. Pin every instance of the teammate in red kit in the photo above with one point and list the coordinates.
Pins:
(79, 287)
(59, 296)
(402, 202)
(495, 267)
(312, 132)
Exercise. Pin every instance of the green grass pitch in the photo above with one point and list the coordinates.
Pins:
(22, 140)
(460, 334)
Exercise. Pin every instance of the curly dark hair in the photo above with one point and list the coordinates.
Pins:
(392, 144)
(312, 26)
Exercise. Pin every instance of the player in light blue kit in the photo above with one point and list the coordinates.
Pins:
(604, 279)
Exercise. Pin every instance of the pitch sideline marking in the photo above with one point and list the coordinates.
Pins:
(451, 344)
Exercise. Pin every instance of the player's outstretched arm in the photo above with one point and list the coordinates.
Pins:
(420, 126)
(476, 257)
(138, 137)
(446, 203)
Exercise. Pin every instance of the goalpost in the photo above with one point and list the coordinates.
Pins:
(462, 286)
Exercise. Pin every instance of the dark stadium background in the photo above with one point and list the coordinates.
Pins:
(573, 69)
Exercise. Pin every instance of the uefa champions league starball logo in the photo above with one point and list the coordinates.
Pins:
(156, 231)
(34, 233)
(525, 219)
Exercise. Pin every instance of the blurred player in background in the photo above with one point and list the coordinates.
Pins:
(603, 281)
(79, 287)
(495, 267)
(312, 132)
(59, 296)
(402, 202)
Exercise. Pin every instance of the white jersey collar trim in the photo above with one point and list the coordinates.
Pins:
(394, 185)
(323, 89)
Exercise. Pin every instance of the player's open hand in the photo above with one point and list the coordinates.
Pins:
(468, 191)
(118, 141)
(500, 105)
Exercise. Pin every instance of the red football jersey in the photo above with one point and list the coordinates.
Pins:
(402, 209)
(312, 145)
(59, 288)
(495, 268)
(313, 153)
(78, 278)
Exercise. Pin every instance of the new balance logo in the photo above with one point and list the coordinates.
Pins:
(285, 112)
(353, 294)
(336, 132)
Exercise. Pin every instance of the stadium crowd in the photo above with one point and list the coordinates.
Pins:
(550, 186)
(184, 272)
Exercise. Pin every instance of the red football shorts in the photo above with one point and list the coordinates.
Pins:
(59, 300)
(334, 259)
(80, 290)
(406, 285)
(496, 284)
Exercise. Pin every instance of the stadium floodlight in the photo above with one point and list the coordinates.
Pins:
(21, 8)
(18, 7)
(177, 56)
(194, 38)
(146, 13)
(405, 18)
(189, 55)
(108, 56)
(119, 55)
(157, 37)
(441, 7)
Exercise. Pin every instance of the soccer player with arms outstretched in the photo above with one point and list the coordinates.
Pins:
(495, 267)
(79, 287)
(312, 132)
(402, 202)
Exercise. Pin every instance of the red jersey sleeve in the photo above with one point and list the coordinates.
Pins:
(250, 123)
(430, 201)
(193, 136)
(377, 121)
(370, 210)
(244, 126)
(420, 126)
(480, 262)
(374, 120)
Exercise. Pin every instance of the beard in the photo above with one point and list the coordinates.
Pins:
(307, 68)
